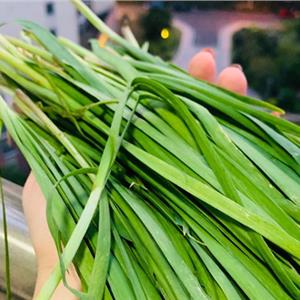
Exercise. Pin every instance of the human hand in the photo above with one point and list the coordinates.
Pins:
(202, 66)
(34, 205)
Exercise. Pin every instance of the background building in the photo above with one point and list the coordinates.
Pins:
(62, 19)
(59, 16)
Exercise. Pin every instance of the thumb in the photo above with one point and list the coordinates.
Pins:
(34, 205)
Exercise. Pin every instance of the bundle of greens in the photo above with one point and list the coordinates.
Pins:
(158, 185)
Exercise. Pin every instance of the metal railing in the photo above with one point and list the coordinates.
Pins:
(22, 258)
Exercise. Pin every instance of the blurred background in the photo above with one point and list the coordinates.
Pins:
(263, 37)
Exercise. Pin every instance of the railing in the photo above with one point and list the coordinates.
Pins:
(22, 258)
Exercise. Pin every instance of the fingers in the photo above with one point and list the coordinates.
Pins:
(34, 205)
(234, 79)
(61, 291)
(203, 66)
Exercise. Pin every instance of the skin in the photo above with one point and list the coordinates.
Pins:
(202, 66)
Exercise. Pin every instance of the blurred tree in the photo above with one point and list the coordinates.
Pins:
(271, 61)
(154, 21)
(154, 24)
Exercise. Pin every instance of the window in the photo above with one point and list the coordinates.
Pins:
(50, 8)
(53, 31)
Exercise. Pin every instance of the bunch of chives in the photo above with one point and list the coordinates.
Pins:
(158, 185)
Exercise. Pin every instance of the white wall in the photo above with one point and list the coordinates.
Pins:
(100, 6)
(66, 20)
(63, 20)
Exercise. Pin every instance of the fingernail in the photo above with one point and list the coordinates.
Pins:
(237, 66)
(276, 114)
(210, 50)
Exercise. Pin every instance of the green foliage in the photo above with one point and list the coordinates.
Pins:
(166, 48)
(270, 59)
(196, 192)
(154, 21)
